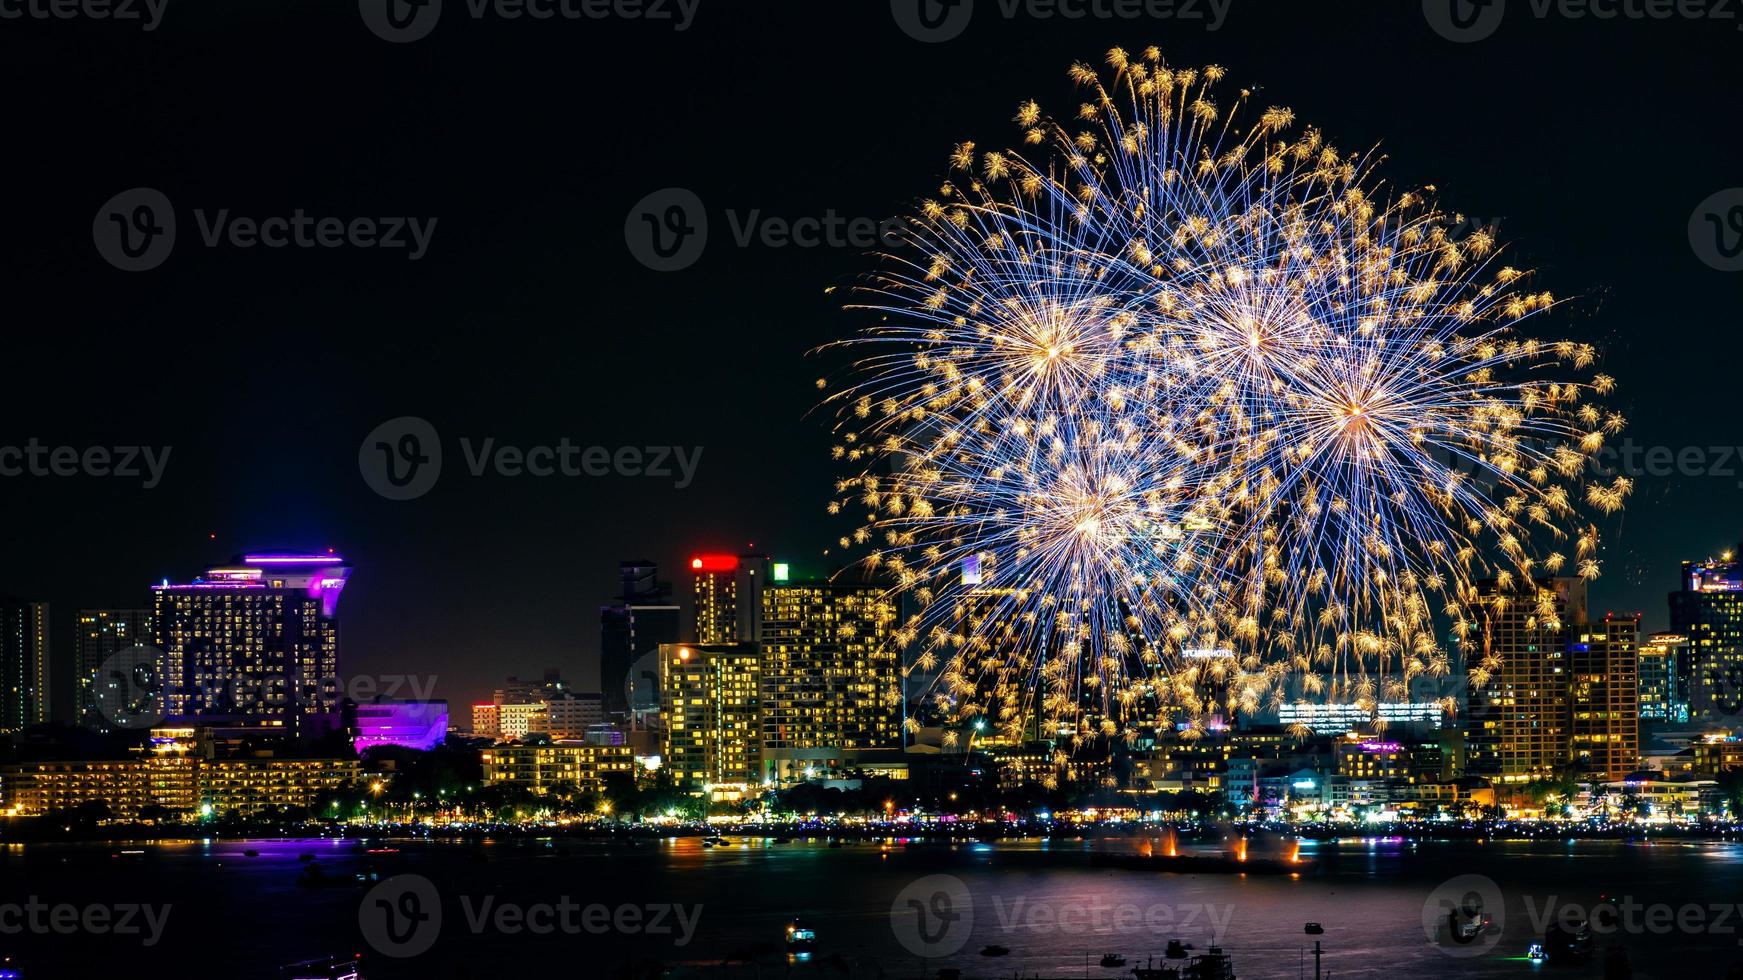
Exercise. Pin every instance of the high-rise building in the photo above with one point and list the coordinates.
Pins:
(710, 695)
(727, 592)
(1604, 696)
(632, 627)
(831, 682)
(571, 715)
(255, 642)
(1708, 609)
(1665, 670)
(101, 634)
(24, 669)
(1518, 729)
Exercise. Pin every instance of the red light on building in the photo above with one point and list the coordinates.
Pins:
(714, 563)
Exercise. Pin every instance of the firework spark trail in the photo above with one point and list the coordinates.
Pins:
(1170, 381)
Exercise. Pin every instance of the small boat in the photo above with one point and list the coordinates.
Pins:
(995, 950)
(800, 937)
(1112, 960)
(251, 852)
(1177, 949)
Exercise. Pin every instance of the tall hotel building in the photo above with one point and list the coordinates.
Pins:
(1665, 672)
(24, 677)
(726, 593)
(831, 682)
(101, 634)
(709, 699)
(1604, 697)
(632, 627)
(253, 643)
(1708, 609)
(1518, 729)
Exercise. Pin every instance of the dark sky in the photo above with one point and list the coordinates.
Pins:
(1589, 141)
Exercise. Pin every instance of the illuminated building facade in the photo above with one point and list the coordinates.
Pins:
(571, 715)
(487, 720)
(1518, 727)
(24, 669)
(1335, 719)
(1665, 670)
(1709, 611)
(726, 593)
(100, 635)
(420, 725)
(710, 694)
(831, 681)
(1604, 696)
(540, 768)
(521, 720)
(632, 627)
(256, 642)
(175, 776)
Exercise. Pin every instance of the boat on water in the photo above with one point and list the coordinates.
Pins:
(1112, 960)
(324, 968)
(1214, 964)
(801, 938)
(995, 950)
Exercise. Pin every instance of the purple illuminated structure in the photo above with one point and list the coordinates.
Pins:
(255, 642)
(413, 724)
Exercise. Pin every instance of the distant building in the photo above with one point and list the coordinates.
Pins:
(571, 715)
(179, 774)
(1604, 696)
(1518, 727)
(255, 642)
(487, 720)
(540, 768)
(831, 681)
(99, 636)
(1665, 670)
(710, 698)
(1708, 609)
(24, 667)
(632, 627)
(521, 720)
(421, 725)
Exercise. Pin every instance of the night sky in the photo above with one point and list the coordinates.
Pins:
(1589, 142)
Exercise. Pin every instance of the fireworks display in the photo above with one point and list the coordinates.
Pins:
(1174, 402)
